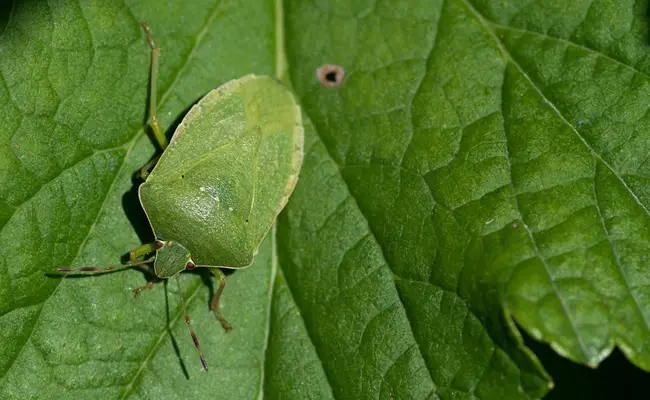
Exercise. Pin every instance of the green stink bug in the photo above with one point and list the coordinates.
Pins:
(215, 191)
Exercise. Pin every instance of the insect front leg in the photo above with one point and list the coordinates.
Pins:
(214, 304)
(134, 255)
(146, 169)
(142, 250)
(159, 133)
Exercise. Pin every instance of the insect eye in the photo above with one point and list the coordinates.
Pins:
(159, 244)
(190, 265)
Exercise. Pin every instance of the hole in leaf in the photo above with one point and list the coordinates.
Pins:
(330, 75)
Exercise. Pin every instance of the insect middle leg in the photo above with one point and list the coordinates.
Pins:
(159, 133)
(146, 286)
(151, 279)
(214, 303)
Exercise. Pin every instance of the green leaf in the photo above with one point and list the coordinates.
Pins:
(482, 163)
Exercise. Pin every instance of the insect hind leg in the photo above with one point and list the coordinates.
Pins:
(214, 303)
(189, 324)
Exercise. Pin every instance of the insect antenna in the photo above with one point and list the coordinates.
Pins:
(189, 325)
(105, 269)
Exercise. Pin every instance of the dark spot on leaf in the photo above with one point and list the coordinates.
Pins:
(182, 176)
(159, 244)
(330, 75)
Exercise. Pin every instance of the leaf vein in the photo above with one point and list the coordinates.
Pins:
(523, 223)
(372, 233)
(567, 42)
(162, 335)
(618, 259)
(486, 25)
(83, 242)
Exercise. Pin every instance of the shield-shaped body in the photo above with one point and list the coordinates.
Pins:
(227, 172)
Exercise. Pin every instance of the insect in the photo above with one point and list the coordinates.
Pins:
(224, 176)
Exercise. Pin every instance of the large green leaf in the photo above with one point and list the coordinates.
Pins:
(482, 161)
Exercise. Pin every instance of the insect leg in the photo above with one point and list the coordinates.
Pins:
(141, 250)
(187, 320)
(152, 279)
(140, 264)
(146, 169)
(214, 304)
(158, 131)
(147, 286)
